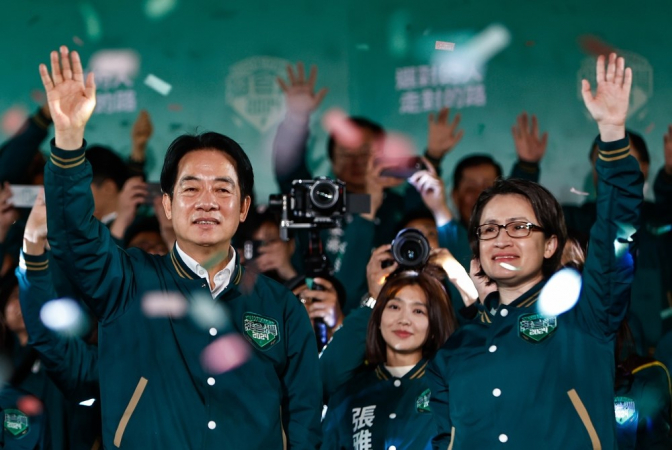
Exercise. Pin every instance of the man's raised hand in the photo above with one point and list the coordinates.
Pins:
(300, 93)
(71, 99)
(609, 106)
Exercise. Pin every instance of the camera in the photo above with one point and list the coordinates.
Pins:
(318, 203)
(410, 249)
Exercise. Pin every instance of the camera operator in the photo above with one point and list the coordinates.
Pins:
(323, 301)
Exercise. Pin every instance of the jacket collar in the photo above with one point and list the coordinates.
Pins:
(416, 372)
(183, 270)
(489, 307)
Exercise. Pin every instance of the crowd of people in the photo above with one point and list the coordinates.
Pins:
(200, 317)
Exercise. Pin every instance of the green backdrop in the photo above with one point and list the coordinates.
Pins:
(375, 56)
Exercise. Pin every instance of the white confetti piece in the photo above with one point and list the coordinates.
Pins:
(225, 354)
(158, 84)
(560, 293)
(88, 402)
(64, 316)
(442, 45)
(164, 304)
(508, 266)
(577, 192)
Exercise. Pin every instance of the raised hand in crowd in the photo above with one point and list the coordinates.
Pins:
(140, 134)
(300, 96)
(35, 233)
(323, 304)
(376, 185)
(8, 214)
(276, 255)
(433, 193)
(375, 273)
(443, 134)
(609, 105)
(530, 146)
(71, 99)
(131, 196)
(667, 141)
(456, 274)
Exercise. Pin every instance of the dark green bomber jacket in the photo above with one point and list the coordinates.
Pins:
(515, 379)
(155, 393)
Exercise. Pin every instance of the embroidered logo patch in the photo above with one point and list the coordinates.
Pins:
(626, 411)
(262, 331)
(536, 328)
(422, 402)
(16, 422)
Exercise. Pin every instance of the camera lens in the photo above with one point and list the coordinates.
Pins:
(410, 248)
(323, 195)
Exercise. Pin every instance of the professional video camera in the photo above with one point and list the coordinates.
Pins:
(410, 249)
(314, 205)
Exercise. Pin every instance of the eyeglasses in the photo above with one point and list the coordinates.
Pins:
(514, 229)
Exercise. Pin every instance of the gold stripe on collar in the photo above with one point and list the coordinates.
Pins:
(529, 301)
(381, 375)
(418, 373)
(239, 274)
(180, 271)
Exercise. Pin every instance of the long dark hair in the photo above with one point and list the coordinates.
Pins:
(442, 321)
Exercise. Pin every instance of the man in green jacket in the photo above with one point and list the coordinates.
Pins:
(160, 385)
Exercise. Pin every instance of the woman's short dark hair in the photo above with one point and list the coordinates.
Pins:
(545, 206)
(206, 141)
(442, 321)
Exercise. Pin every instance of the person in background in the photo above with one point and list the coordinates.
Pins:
(531, 367)
(387, 404)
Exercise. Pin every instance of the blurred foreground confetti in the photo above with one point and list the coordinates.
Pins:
(577, 192)
(225, 354)
(164, 304)
(560, 293)
(441, 45)
(158, 84)
(65, 316)
(344, 130)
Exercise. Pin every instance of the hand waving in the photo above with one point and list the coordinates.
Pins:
(71, 99)
(530, 147)
(443, 134)
(300, 94)
(609, 106)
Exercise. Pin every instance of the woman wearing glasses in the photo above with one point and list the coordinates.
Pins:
(518, 378)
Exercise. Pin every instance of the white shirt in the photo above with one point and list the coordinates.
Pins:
(398, 371)
(222, 278)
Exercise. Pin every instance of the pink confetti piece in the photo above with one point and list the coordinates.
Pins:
(650, 128)
(78, 41)
(345, 131)
(13, 119)
(225, 354)
(164, 304)
(442, 45)
(38, 96)
(30, 405)
(577, 192)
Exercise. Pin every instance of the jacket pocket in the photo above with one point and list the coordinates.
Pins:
(585, 418)
(139, 389)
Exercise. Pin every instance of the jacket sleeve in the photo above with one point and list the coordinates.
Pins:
(345, 353)
(289, 153)
(81, 245)
(302, 404)
(439, 402)
(17, 153)
(453, 236)
(609, 268)
(70, 362)
(525, 171)
(654, 424)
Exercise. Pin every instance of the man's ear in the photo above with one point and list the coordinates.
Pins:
(167, 203)
(245, 208)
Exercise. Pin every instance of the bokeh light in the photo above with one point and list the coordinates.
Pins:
(560, 293)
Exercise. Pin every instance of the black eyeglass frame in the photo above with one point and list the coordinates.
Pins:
(529, 225)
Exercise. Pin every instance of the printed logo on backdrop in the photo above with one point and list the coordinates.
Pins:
(642, 81)
(253, 92)
(115, 72)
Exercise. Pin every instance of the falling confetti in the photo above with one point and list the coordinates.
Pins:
(666, 313)
(595, 46)
(657, 231)
(88, 402)
(13, 119)
(164, 304)
(78, 41)
(362, 47)
(560, 293)
(158, 84)
(345, 131)
(225, 354)
(64, 316)
(207, 313)
(216, 259)
(508, 266)
(30, 405)
(94, 30)
(650, 128)
(441, 45)
(577, 192)
(157, 9)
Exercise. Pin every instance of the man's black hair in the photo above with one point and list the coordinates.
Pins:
(473, 161)
(377, 130)
(636, 141)
(145, 224)
(106, 165)
(206, 141)
(416, 214)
